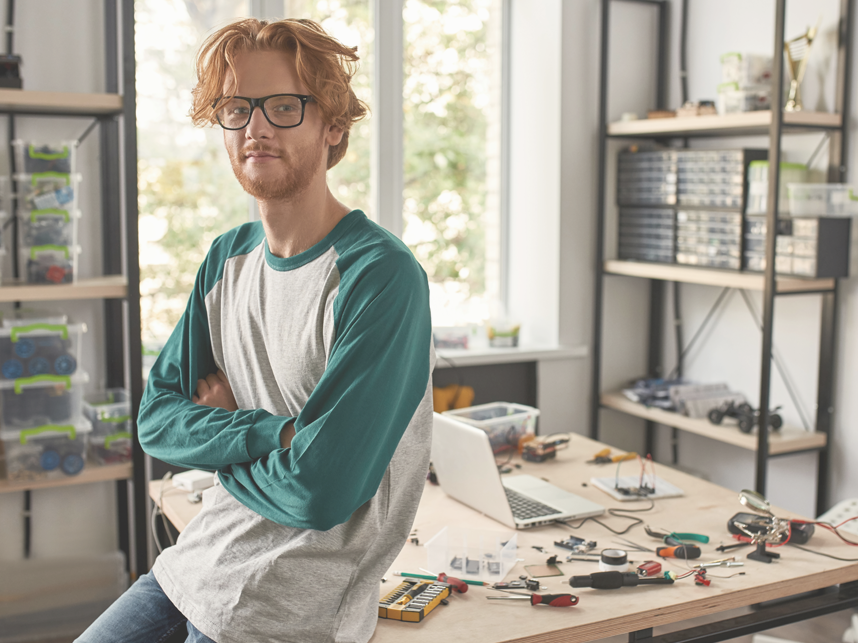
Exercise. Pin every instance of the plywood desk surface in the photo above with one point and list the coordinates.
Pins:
(705, 508)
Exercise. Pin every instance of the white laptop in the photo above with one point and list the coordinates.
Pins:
(467, 471)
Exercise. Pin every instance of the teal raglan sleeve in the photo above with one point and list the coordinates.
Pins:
(377, 374)
(174, 429)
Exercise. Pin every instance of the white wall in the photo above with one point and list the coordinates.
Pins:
(732, 347)
(61, 42)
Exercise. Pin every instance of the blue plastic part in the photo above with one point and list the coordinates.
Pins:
(72, 464)
(24, 348)
(65, 365)
(49, 460)
(12, 369)
(39, 366)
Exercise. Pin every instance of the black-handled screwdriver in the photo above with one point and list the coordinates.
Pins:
(615, 580)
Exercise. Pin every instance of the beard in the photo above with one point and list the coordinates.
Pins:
(293, 174)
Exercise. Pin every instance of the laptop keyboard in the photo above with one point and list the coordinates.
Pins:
(523, 508)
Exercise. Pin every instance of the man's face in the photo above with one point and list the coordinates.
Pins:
(272, 163)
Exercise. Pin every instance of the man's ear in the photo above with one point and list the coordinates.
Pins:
(334, 135)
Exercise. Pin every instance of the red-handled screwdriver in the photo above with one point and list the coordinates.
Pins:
(458, 585)
(554, 600)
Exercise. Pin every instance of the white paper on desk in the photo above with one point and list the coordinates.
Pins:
(663, 489)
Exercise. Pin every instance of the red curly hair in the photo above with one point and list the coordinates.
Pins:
(324, 65)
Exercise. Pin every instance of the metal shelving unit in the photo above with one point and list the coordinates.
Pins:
(775, 123)
(118, 288)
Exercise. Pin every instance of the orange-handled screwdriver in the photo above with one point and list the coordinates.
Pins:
(688, 552)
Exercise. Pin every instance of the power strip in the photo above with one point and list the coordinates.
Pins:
(193, 480)
(843, 511)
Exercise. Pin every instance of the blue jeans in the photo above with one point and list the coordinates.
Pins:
(143, 614)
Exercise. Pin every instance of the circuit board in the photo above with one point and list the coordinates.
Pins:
(396, 606)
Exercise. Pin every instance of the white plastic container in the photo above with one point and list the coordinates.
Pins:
(823, 199)
(472, 554)
(758, 185)
(50, 226)
(734, 100)
(31, 402)
(746, 70)
(48, 190)
(30, 349)
(110, 414)
(34, 156)
(46, 452)
(50, 264)
(506, 423)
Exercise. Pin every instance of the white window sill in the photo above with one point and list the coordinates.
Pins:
(486, 356)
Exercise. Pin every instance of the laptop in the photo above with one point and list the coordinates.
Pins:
(467, 471)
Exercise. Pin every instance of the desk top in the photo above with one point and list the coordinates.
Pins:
(705, 508)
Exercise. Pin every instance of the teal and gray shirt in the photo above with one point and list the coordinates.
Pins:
(290, 544)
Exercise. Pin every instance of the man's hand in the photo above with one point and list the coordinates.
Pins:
(215, 391)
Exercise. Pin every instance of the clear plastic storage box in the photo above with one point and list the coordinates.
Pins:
(823, 199)
(746, 70)
(110, 414)
(472, 554)
(758, 185)
(50, 264)
(734, 100)
(36, 348)
(30, 402)
(33, 157)
(505, 422)
(49, 227)
(48, 190)
(45, 452)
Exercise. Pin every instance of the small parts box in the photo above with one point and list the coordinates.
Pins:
(45, 452)
(31, 402)
(48, 190)
(505, 422)
(35, 157)
(39, 348)
(473, 554)
(48, 227)
(825, 199)
(110, 414)
(50, 264)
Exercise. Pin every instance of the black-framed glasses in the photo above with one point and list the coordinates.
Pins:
(281, 110)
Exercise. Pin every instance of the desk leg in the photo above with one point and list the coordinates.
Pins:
(640, 635)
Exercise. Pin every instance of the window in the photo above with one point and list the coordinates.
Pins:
(452, 135)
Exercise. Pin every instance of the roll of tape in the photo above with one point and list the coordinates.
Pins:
(614, 560)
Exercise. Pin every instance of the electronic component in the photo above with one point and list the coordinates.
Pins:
(412, 600)
(193, 480)
(649, 568)
(578, 545)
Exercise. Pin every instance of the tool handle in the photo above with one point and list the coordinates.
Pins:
(458, 585)
(554, 600)
(624, 456)
(687, 552)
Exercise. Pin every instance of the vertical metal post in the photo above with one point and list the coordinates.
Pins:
(775, 131)
(837, 151)
(663, 72)
(598, 289)
(654, 365)
(133, 340)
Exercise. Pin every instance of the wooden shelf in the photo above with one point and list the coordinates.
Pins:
(20, 101)
(745, 124)
(110, 287)
(787, 440)
(714, 277)
(89, 474)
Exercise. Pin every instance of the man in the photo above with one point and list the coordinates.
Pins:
(300, 373)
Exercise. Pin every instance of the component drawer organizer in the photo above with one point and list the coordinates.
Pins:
(48, 213)
(684, 206)
(42, 429)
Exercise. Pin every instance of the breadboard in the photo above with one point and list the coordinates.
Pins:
(663, 489)
(843, 511)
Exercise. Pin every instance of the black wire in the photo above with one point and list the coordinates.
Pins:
(819, 553)
(617, 513)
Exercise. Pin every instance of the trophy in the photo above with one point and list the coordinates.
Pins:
(797, 51)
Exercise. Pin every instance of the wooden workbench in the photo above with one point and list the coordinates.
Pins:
(705, 508)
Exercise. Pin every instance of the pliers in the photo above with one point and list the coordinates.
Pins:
(673, 538)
